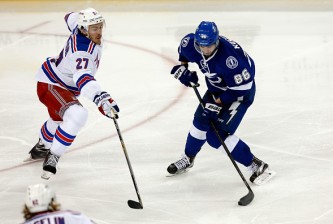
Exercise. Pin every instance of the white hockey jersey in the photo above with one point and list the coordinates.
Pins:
(75, 67)
(60, 217)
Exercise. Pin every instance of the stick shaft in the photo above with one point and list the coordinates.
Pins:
(127, 159)
(221, 141)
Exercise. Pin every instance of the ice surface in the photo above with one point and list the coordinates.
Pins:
(289, 125)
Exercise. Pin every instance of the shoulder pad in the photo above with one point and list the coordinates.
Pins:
(188, 39)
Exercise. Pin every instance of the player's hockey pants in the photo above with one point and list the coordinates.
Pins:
(227, 123)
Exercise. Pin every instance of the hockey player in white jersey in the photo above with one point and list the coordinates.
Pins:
(61, 79)
(41, 207)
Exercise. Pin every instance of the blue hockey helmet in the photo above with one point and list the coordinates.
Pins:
(206, 34)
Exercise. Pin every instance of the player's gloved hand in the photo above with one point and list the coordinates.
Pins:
(106, 105)
(212, 110)
(185, 76)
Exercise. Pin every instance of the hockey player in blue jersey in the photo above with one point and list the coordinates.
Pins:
(61, 79)
(229, 74)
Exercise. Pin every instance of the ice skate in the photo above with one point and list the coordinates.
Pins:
(38, 152)
(261, 172)
(50, 165)
(181, 165)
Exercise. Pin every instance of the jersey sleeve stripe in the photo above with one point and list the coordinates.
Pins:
(52, 76)
(243, 87)
(48, 72)
(83, 80)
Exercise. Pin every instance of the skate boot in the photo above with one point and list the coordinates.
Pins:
(181, 165)
(37, 152)
(260, 172)
(50, 165)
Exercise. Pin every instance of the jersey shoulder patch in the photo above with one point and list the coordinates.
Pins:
(187, 40)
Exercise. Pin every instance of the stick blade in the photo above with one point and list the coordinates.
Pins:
(134, 204)
(247, 199)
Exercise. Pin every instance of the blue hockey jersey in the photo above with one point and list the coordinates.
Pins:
(229, 71)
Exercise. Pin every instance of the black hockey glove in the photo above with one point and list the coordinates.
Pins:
(212, 110)
(185, 76)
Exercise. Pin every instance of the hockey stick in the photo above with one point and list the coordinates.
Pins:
(249, 197)
(131, 203)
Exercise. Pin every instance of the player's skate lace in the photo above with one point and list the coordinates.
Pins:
(184, 163)
(50, 163)
(257, 167)
(38, 151)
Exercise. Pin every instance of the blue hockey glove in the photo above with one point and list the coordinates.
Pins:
(106, 105)
(185, 76)
(211, 111)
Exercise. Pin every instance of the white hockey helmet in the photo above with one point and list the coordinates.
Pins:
(88, 17)
(39, 197)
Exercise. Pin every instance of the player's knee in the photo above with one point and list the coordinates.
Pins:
(76, 114)
(213, 140)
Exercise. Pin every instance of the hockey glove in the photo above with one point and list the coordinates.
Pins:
(185, 76)
(106, 105)
(211, 111)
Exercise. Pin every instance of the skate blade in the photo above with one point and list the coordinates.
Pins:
(29, 159)
(46, 175)
(178, 173)
(264, 177)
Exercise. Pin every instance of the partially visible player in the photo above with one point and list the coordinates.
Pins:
(61, 79)
(229, 74)
(41, 207)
